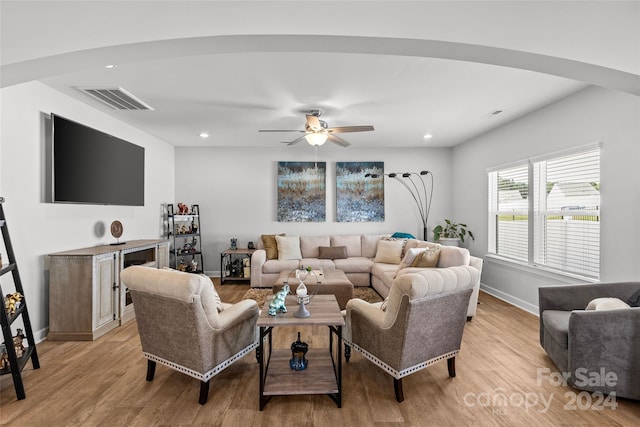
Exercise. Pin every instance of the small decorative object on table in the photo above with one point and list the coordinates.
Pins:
(234, 244)
(183, 209)
(4, 357)
(302, 293)
(17, 343)
(12, 302)
(298, 350)
(277, 303)
(250, 245)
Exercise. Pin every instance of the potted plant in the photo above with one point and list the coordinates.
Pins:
(451, 234)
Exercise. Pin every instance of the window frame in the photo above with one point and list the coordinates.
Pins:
(536, 228)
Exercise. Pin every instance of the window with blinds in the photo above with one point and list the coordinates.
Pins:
(559, 227)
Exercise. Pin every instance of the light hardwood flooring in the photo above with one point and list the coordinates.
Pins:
(103, 383)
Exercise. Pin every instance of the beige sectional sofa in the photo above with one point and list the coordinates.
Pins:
(366, 263)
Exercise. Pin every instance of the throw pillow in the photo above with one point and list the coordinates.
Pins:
(332, 252)
(288, 247)
(411, 255)
(389, 251)
(270, 245)
(607, 304)
(634, 300)
(400, 235)
(209, 292)
(427, 258)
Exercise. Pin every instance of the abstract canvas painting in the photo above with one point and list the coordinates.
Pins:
(302, 191)
(359, 199)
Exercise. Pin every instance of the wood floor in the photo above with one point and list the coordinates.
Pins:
(103, 383)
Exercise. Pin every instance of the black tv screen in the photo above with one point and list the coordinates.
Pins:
(93, 167)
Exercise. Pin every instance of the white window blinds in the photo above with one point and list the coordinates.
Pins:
(560, 227)
(567, 213)
(509, 213)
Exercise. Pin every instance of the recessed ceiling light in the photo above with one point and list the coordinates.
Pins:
(428, 136)
(111, 66)
(204, 135)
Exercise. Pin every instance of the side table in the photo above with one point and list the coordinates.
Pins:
(228, 257)
(324, 373)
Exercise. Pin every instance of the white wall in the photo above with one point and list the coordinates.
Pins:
(236, 191)
(591, 115)
(38, 228)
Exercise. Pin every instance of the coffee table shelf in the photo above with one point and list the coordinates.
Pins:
(323, 374)
(317, 378)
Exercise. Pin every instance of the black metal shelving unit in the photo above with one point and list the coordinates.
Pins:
(16, 364)
(184, 232)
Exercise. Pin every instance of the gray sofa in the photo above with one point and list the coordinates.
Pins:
(455, 264)
(582, 343)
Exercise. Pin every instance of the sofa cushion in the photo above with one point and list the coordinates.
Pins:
(352, 242)
(389, 251)
(275, 266)
(386, 272)
(556, 324)
(270, 245)
(428, 258)
(355, 264)
(452, 256)
(288, 247)
(370, 244)
(317, 263)
(332, 252)
(309, 245)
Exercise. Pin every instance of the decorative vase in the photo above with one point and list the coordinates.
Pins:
(299, 349)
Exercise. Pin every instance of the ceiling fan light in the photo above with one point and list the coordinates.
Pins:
(316, 138)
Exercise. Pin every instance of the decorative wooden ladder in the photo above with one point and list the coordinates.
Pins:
(16, 364)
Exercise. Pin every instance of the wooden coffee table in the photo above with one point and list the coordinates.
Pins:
(332, 282)
(323, 375)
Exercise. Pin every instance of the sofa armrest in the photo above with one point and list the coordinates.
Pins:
(258, 258)
(606, 338)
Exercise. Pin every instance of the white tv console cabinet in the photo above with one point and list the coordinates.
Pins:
(86, 298)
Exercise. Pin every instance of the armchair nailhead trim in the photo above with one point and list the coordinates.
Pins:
(202, 376)
(395, 373)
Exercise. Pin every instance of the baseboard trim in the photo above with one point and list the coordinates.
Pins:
(520, 303)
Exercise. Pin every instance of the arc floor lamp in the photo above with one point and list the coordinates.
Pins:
(415, 184)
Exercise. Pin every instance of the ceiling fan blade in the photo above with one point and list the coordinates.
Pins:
(279, 130)
(313, 122)
(295, 141)
(336, 139)
(344, 129)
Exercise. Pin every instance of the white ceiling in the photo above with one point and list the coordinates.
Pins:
(407, 68)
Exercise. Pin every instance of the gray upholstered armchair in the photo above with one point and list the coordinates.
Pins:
(583, 342)
(422, 324)
(183, 324)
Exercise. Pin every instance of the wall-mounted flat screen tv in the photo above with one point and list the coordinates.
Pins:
(93, 167)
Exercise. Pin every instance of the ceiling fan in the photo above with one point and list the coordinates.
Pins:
(317, 132)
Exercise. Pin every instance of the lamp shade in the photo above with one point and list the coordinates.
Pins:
(316, 138)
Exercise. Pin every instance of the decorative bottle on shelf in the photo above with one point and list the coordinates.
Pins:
(299, 349)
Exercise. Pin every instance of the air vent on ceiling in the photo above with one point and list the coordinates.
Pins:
(116, 98)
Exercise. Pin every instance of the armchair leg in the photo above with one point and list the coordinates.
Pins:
(204, 392)
(397, 387)
(347, 352)
(151, 369)
(451, 365)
